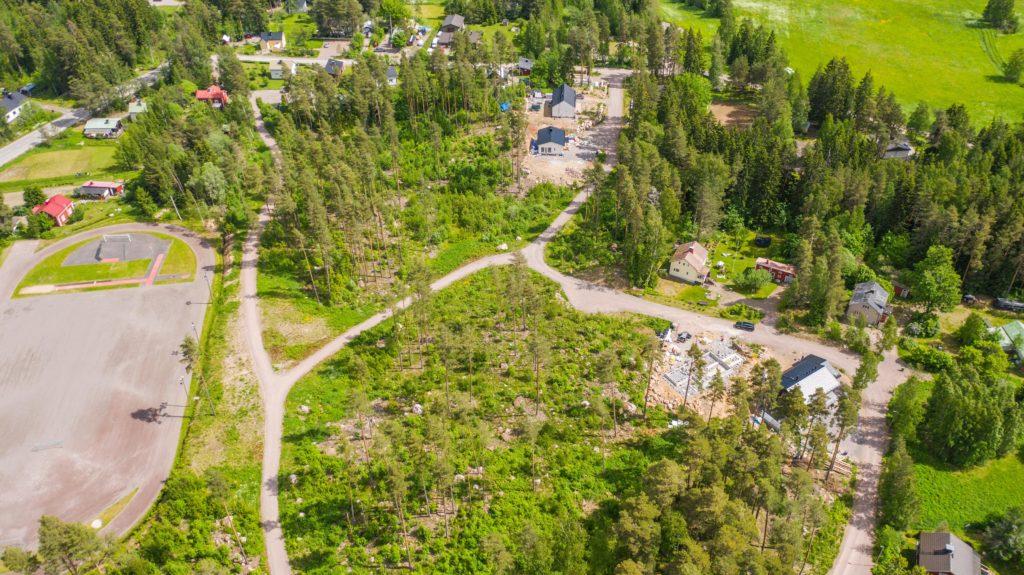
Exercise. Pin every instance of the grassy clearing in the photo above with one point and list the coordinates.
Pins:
(295, 25)
(259, 77)
(961, 498)
(180, 259)
(428, 14)
(70, 154)
(898, 41)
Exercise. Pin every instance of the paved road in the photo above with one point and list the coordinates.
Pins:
(15, 149)
(582, 295)
(92, 392)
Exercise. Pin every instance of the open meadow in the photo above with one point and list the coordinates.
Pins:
(930, 50)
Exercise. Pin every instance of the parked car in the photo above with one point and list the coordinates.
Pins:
(744, 325)
(762, 241)
(969, 299)
(1008, 304)
(683, 336)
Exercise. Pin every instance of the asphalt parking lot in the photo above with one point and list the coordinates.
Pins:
(92, 393)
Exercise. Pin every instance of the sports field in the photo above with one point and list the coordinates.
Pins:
(67, 155)
(930, 50)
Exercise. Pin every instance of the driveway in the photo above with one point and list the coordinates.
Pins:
(93, 390)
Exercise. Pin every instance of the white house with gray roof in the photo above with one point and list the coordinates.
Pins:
(12, 104)
(870, 301)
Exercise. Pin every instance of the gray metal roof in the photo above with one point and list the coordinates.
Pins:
(271, 36)
(947, 553)
(872, 295)
(551, 135)
(12, 100)
(525, 64)
(564, 93)
(801, 370)
(455, 20)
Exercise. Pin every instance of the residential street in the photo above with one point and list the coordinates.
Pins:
(15, 149)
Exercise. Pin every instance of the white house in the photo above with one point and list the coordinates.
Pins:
(690, 263)
(102, 128)
(550, 141)
(277, 69)
(12, 104)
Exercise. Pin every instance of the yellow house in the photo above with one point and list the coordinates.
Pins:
(690, 263)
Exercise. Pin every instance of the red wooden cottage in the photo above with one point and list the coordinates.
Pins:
(782, 273)
(59, 208)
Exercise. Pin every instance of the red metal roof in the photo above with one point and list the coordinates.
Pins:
(213, 93)
(54, 206)
(99, 184)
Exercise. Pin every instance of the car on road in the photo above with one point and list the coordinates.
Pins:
(744, 325)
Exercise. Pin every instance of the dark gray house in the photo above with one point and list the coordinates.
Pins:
(550, 141)
(947, 554)
(453, 23)
(563, 102)
(870, 301)
(898, 151)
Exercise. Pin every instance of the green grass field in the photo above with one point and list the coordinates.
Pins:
(428, 14)
(180, 260)
(293, 24)
(738, 257)
(930, 50)
(67, 156)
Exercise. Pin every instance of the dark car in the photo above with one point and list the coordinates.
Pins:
(1008, 304)
(969, 299)
(762, 241)
(744, 325)
(683, 336)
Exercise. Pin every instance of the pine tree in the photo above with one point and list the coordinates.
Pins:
(898, 489)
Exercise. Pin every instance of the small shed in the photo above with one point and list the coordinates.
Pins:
(334, 66)
(392, 76)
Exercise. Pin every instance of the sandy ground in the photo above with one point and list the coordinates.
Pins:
(729, 115)
(93, 393)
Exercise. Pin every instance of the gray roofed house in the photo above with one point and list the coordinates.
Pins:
(870, 301)
(901, 150)
(563, 102)
(102, 128)
(550, 141)
(11, 104)
(453, 23)
(947, 554)
(445, 38)
(272, 41)
(136, 108)
(334, 66)
(475, 37)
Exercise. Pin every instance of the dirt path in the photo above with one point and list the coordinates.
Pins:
(866, 447)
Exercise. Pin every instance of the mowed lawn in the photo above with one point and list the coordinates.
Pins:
(930, 50)
(180, 259)
(67, 155)
(961, 498)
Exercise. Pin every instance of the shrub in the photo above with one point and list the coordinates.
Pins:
(741, 311)
(925, 357)
(974, 329)
(1005, 536)
(923, 325)
(751, 280)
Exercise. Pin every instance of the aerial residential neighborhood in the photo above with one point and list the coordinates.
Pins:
(612, 288)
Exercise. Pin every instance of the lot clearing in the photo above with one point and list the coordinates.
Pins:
(94, 393)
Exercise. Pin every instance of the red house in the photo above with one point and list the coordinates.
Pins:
(59, 208)
(782, 273)
(213, 95)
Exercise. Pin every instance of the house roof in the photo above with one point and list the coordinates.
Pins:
(214, 92)
(54, 206)
(99, 184)
(525, 64)
(392, 72)
(947, 553)
(810, 374)
(694, 254)
(870, 294)
(475, 36)
(272, 36)
(901, 149)
(137, 107)
(445, 38)
(102, 124)
(551, 135)
(12, 100)
(564, 93)
(774, 265)
(455, 20)
(334, 66)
